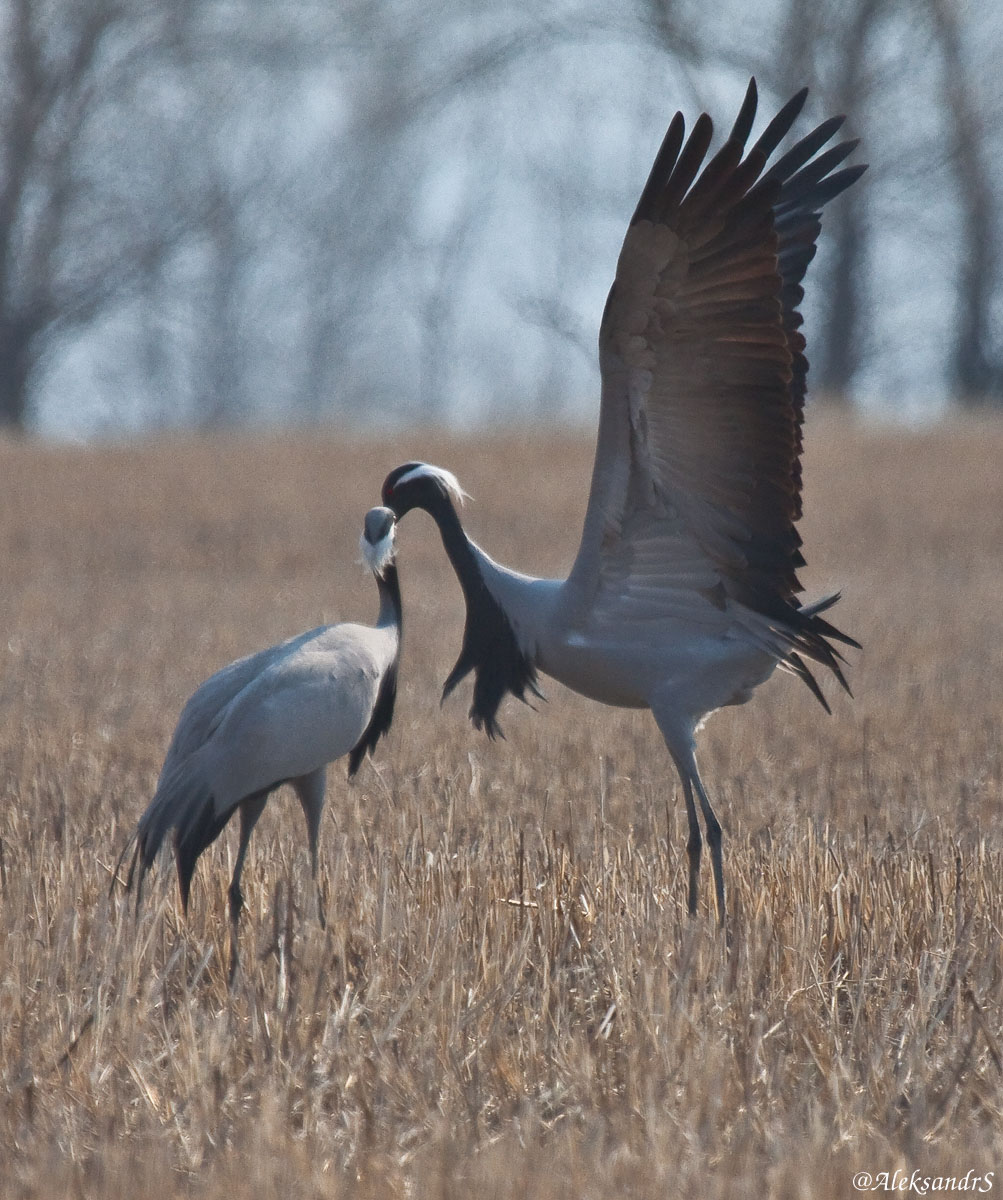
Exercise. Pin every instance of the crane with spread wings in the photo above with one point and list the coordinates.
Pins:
(684, 593)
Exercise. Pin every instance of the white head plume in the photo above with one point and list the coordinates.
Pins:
(377, 541)
(449, 482)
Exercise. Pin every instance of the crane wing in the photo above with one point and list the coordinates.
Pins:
(304, 710)
(696, 488)
(205, 707)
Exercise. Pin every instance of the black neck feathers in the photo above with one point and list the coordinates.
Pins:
(490, 648)
(391, 613)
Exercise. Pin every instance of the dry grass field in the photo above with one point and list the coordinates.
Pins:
(508, 1000)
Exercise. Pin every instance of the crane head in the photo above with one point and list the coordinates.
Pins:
(420, 485)
(377, 541)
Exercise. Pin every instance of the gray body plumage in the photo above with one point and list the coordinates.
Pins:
(711, 657)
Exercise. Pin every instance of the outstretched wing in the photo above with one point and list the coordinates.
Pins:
(696, 487)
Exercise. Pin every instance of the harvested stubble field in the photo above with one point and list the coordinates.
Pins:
(509, 999)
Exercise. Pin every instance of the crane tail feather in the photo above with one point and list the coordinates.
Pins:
(829, 631)
(183, 804)
(198, 832)
(794, 662)
(809, 636)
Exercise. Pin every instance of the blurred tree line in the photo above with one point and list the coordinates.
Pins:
(237, 210)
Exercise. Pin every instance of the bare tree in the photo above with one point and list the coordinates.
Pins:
(68, 246)
(830, 43)
(236, 210)
(976, 370)
(822, 43)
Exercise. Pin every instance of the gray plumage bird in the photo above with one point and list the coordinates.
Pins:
(278, 716)
(683, 596)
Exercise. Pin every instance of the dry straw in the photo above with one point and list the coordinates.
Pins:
(508, 999)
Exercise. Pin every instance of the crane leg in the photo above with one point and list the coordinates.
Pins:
(714, 844)
(680, 746)
(250, 810)
(693, 846)
(310, 790)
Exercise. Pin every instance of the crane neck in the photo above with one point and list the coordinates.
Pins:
(388, 586)
(458, 547)
(382, 715)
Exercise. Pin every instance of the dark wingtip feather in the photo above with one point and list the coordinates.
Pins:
(746, 115)
(830, 188)
(778, 128)
(801, 152)
(661, 168)
(689, 162)
(800, 185)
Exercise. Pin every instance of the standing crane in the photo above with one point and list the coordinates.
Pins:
(278, 716)
(683, 595)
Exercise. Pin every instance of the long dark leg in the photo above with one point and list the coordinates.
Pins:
(250, 811)
(310, 790)
(714, 843)
(680, 746)
(693, 845)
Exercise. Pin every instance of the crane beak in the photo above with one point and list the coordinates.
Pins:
(377, 541)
